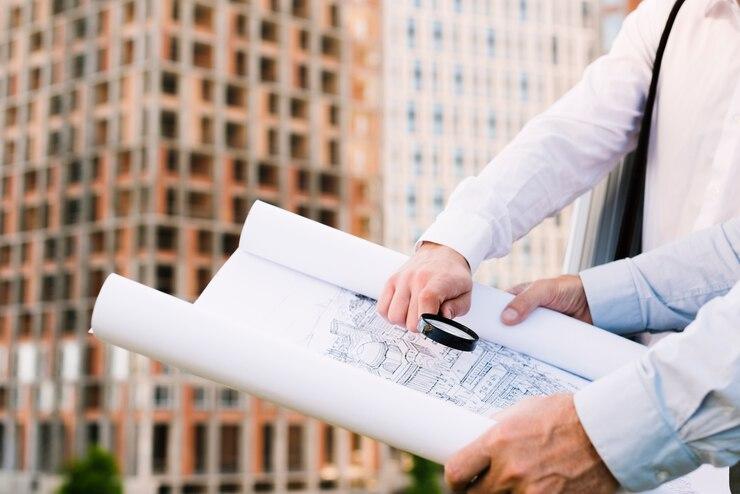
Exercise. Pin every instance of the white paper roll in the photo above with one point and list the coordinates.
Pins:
(162, 327)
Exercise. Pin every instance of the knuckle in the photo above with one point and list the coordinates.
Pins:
(493, 439)
(428, 295)
(514, 470)
(422, 274)
(453, 474)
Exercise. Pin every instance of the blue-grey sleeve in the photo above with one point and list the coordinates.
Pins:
(663, 289)
(677, 407)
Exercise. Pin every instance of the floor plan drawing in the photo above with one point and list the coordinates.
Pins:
(491, 378)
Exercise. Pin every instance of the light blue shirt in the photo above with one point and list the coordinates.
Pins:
(679, 406)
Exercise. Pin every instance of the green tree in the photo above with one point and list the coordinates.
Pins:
(425, 477)
(96, 473)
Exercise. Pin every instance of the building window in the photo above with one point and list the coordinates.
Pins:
(173, 51)
(200, 205)
(202, 55)
(411, 33)
(235, 96)
(328, 217)
(491, 125)
(160, 447)
(268, 69)
(236, 135)
(200, 398)
(328, 445)
(229, 243)
(240, 25)
(203, 17)
(524, 86)
(438, 200)
(161, 396)
(166, 238)
(229, 398)
(329, 184)
(334, 152)
(165, 278)
(329, 82)
(438, 119)
(204, 242)
(267, 447)
(410, 201)
(411, 117)
(269, 31)
(298, 108)
(417, 75)
(459, 162)
(169, 83)
(418, 163)
(202, 278)
(168, 124)
(200, 447)
(295, 448)
(437, 35)
(229, 453)
(240, 63)
(458, 79)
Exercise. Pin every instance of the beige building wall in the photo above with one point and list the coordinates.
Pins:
(460, 80)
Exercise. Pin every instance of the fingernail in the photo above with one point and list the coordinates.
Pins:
(509, 315)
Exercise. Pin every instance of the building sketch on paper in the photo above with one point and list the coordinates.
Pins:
(493, 377)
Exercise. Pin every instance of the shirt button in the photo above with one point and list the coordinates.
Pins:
(662, 476)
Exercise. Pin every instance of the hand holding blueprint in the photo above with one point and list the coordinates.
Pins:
(291, 318)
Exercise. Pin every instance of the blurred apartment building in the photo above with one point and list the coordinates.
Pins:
(461, 78)
(134, 135)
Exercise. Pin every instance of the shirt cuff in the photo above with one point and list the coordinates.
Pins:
(612, 297)
(635, 441)
(463, 232)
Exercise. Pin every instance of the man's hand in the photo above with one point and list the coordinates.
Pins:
(564, 294)
(536, 446)
(436, 279)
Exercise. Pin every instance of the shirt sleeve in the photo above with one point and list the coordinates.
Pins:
(676, 408)
(560, 153)
(663, 289)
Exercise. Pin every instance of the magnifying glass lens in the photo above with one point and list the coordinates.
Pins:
(449, 328)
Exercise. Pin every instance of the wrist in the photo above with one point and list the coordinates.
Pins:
(448, 252)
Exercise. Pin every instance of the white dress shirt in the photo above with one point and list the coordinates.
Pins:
(693, 173)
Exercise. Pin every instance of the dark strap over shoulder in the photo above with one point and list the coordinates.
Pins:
(629, 241)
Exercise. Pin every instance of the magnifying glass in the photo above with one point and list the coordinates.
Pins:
(448, 332)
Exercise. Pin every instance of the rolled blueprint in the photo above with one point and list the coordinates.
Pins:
(247, 358)
(363, 267)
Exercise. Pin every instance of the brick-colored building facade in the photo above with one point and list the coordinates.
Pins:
(134, 135)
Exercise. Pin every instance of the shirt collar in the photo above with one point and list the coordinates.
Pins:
(714, 4)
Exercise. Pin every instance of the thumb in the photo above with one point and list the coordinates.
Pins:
(456, 307)
(538, 294)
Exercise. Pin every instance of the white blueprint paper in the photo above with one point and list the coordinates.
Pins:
(302, 337)
(363, 267)
(345, 326)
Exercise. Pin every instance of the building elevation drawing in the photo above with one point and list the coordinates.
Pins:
(488, 379)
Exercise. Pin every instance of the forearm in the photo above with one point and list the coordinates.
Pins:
(664, 288)
(676, 408)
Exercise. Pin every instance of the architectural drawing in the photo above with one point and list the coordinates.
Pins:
(491, 378)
